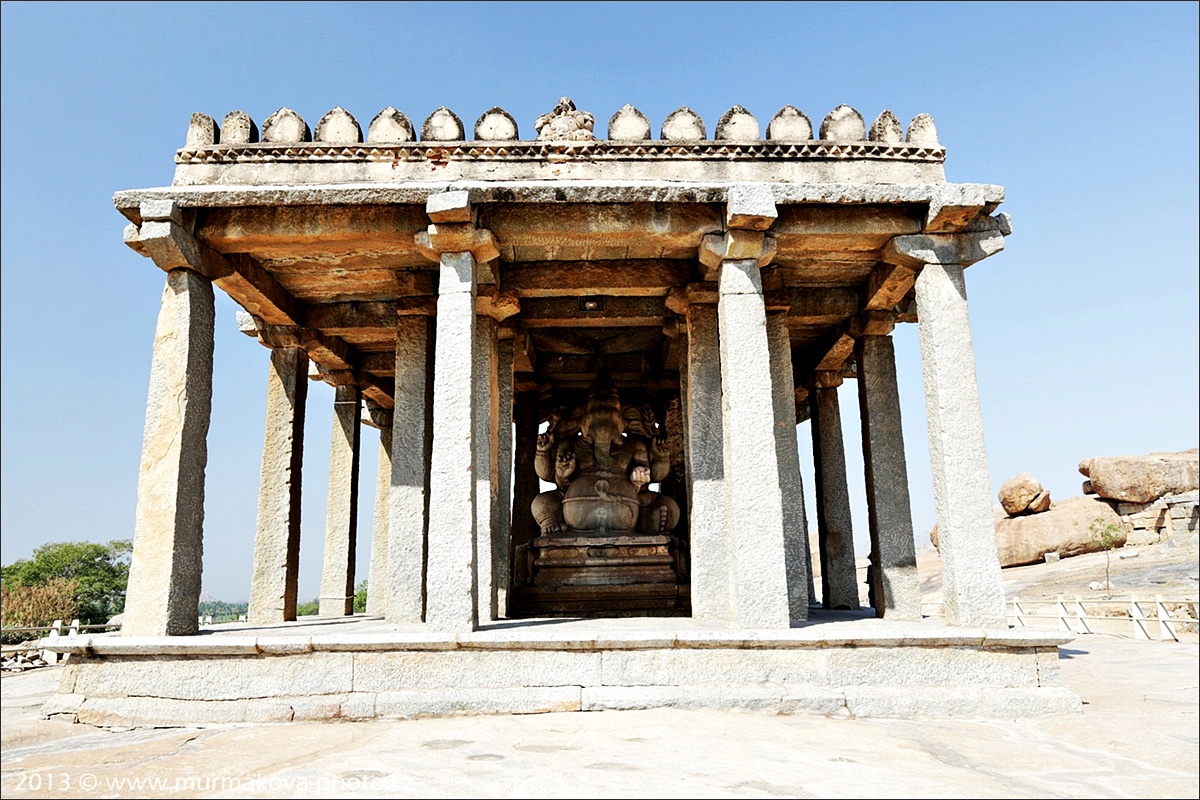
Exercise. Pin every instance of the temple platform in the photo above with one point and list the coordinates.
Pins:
(361, 668)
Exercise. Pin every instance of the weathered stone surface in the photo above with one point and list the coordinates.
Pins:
(733, 696)
(960, 702)
(789, 125)
(496, 125)
(380, 672)
(277, 534)
(672, 667)
(972, 588)
(202, 131)
(341, 517)
(238, 128)
(700, 381)
(839, 576)
(754, 505)
(377, 594)
(407, 528)
(628, 125)
(486, 403)
(413, 703)
(1018, 492)
(285, 127)
(451, 577)
(795, 521)
(1142, 479)
(566, 123)
(738, 125)
(1040, 503)
(390, 126)
(886, 129)
(922, 131)
(897, 592)
(920, 666)
(683, 125)
(1064, 529)
(338, 126)
(843, 124)
(443, 125)
(164, 573)
(750, 206)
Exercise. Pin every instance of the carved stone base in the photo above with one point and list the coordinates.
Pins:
(621, 573)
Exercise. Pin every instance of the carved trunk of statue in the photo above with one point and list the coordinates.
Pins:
(605, 544)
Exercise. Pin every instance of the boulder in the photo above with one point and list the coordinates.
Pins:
(1018, 492)
(1040, 503)
(1143, 479)
(1064, 529)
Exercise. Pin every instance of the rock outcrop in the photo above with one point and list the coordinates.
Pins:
(1142, 479)
(1023, 494)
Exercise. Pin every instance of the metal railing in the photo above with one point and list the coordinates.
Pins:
(1139, 616)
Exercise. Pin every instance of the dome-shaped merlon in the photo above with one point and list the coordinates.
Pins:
(738, 125)
(684, 125)
(202, 131)
(442, 125)
(390, 126)
(886, 129)
(238, 128)
(496, 125)
(922, 131)
(628, 125)
(843, 124)
(339, 127)
(285, 127)
(789, 125)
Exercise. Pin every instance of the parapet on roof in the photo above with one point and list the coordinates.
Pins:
(564, 148)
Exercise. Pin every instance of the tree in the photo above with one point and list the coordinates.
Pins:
(1108, 536)
(360, 598)
(100, 572)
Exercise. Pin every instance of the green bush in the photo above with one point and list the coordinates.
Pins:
(100, 573)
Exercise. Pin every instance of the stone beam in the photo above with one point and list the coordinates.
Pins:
(338, 319)
(609, 278)
(983, 238)
(170, 245)
(557, 366)
(822, 306)
(887, 285)
(549, 312)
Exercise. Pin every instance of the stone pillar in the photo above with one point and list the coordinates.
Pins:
(839, 579)
(341, 510)
(895, 586)
(165, 569)
(753, 501)
(504, 459)
(710, 567)
(451, 580)
(971, 584)
(795, 533)
(409, 499)
(277, 535)
(377, 594)
(523, 527)
(487, 465)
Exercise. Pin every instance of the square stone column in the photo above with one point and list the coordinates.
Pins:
(795, 526)
(753, 501)
(277, 535)
(839, 577)
(451, 579)
(971, 583)
(523, 527)
(504, 458)
(701, 378)
(895, 585)
(165, 569)
(487, 465)
(341, 510)
(377, 594)
(412, 432)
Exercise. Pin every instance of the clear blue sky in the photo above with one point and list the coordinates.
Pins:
(1085, 328)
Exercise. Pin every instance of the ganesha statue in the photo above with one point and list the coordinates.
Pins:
(601, 459)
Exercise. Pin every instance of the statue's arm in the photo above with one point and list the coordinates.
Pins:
(543, 458)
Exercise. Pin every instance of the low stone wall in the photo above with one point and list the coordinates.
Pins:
(916, 671)
(1173, 515)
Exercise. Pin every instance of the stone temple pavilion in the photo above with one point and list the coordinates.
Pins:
(586, 359)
